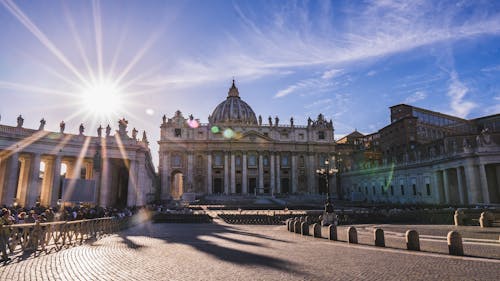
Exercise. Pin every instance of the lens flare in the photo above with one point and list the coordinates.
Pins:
(228, 133)
(193, 123)
(215, 129)
(102, 98)
(150, 111)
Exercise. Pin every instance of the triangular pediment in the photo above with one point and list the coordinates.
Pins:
(254, 136)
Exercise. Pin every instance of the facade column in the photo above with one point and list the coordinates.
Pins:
(11, 177)
(190, 173)
(484, 184)
(34, 181)
(446, 185)
(261, 174)
(471, 179)
(461, 191)
(23, 181)
(165, 176)
(244, 180)
(132, 183)
(209, 173)
(105, 180)
(272, 179)
(226, 173)
(311, 176)
(233, 173)
(295, 178)
(437, 187)
(278, 174)
(3, 173)
(141, 183)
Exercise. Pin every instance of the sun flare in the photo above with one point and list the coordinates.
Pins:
(102, 98)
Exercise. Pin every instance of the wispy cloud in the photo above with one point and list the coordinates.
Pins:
(417, 96)
(329, 74)
(371, 73)
(457, 91)
(294, 37)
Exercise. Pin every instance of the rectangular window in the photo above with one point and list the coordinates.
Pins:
(176, 161)
(374, 191)
(252, 161)
(218, 160)
(238, 160)
(402, 190)
(428, 187)
(265, 161)
(321, 135)
(284, 135)
(284, 161)
(301, 136)
(392, 190)
(414, 189)
(178, 133)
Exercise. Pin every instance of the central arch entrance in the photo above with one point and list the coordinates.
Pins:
(177, 184)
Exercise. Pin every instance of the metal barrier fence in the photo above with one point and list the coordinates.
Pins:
(54, 236)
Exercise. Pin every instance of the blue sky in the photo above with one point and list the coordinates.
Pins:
(349, 60)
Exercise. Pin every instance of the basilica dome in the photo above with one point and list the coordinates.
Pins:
(233, 111)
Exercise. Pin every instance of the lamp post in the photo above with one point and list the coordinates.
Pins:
(327, 172)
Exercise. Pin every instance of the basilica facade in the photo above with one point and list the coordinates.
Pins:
(237, 153)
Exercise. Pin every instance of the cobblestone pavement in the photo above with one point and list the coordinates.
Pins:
(235, 252)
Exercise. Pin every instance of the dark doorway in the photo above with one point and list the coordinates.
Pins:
(218, 186)
(285, 185)
(238, 188)
(121, 197)
(252, 184)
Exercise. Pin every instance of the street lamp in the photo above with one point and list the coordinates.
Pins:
(327, 172)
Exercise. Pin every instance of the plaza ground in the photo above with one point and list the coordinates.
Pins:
(247, 252)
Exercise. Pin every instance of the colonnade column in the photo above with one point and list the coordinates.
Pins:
(461, 190)
(141, 184)
(446, 186)
(132, 183)
(233, 174)
(226, 173)
(295, 177)
(244, 187)
(437, 186)
(105, 180)
(11, 176)
(3, 173)
(56, 180)
(484, 184)
(278, 174)
(34, 181)
(272, 179)
(209, 173)
(261, 174)
(474, 191)
(190, 173)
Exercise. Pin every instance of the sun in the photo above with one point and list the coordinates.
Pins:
(102, 98)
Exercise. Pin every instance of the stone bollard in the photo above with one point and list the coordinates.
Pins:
(458, 217)
(304, 228)
(412, 240)
(296, 226)
(379, 237)
(292, 225)
(484, 220)
(308, 220)
(332, 232)
(288, 224)
(352, 235)
(455, 246)
(317, 230)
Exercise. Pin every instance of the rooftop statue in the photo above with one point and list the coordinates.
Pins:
(81, 129)
(134, 134)
(20, 121)
(62, 126)
(99, 131)
(42, 125)
(108, 130)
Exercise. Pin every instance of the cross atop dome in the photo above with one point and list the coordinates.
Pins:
(233, 91)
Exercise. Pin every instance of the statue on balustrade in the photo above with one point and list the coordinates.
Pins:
(291, 121)
(276, 121)
(99, 131)
(62, 126)
(108, 130)
(81, 129)
(122, 127)
(260, 120)
(270, 121)
(42, 125)
(134, 134)
(20, 121)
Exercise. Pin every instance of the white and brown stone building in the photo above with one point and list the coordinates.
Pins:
(238, 153)
(51, 167)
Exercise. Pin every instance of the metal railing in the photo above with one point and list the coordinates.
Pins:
(54, 236)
